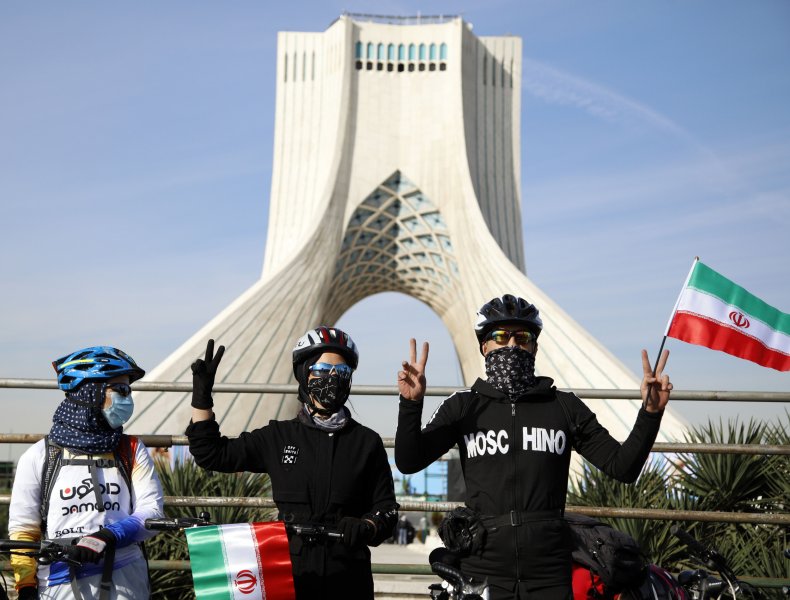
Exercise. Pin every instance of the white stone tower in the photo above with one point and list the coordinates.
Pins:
(396, 168)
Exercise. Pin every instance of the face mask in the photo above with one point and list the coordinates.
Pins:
(511, 370)
(120, 410)
(330, 393)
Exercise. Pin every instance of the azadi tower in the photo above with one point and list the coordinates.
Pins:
(396, 168)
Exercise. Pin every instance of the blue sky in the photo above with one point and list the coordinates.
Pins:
(136, 151)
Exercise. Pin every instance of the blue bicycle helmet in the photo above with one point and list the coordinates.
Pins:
(96, 362)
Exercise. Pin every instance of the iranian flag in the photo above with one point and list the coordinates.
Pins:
(241, 561)
(713, 311)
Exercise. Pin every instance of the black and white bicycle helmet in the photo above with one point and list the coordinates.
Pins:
(507, 309)
(325, 339)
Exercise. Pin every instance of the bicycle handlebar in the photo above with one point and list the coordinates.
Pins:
(310, 530)
(8, 545)
(177, 523)
(464, 586)
(45, 551)
(711, 558)
(448, 573)
(307, 530)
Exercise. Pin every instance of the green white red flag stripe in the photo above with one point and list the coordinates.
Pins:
(713, 311)
(241, 561)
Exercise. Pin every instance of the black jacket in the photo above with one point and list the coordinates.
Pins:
(515, 456)
(317, 477)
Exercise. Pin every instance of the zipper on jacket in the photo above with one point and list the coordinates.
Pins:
(515, 486)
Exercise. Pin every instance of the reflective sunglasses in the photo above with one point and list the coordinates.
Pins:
(325, 370)
(502, 337)
(124, 389)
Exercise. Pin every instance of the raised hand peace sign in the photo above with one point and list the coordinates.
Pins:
(655, 388)
(203, 373)
(411, 379)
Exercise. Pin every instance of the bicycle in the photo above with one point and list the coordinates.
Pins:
(456, 585)
(45, 552)
(700, 584)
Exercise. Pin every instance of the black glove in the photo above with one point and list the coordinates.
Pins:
(356, 532)
(462, 532)
(203, 372)
(29, 592)
(91, 548)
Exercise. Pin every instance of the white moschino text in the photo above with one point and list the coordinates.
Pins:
(535, 439)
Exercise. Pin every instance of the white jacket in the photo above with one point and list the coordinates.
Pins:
(72, 510)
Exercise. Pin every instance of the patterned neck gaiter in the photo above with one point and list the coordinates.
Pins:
(79, 424)
(511, 370)
(330, 393)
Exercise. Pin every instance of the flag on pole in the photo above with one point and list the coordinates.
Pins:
(243, 560)
(713, 311)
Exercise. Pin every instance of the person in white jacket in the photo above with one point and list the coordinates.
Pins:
(87, 484)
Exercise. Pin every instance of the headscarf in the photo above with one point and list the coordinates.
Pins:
(78, 423)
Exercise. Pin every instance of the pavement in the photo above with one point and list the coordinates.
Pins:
(398, 586)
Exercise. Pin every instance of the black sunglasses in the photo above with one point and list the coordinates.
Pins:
(124, 389)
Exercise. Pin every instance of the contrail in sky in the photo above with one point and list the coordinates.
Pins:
(558, 87)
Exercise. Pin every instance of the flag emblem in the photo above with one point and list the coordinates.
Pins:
(739, 319)
(245, 581)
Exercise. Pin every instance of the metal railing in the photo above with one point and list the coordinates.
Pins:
(387, 390)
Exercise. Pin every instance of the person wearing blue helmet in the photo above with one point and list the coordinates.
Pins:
(89, 483)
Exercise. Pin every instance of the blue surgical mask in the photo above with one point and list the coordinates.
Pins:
(120, 410)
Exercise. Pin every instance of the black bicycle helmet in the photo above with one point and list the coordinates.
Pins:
(96, 362)
(507, 309)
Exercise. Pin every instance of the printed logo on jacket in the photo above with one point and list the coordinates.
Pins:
(85, 490)
(73, 506)
(533, 439)
(290, 454)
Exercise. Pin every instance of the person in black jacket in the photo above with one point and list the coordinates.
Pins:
(515, 432)
(325, 468)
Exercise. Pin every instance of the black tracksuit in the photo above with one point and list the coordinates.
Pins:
(317, 477)
(515, 456)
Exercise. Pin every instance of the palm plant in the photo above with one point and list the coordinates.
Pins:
(740, 483)
(706, 482)
(187, 479)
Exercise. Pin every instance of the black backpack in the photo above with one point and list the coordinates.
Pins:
(611, 554)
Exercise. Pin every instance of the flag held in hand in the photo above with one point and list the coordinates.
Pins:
(713, 311)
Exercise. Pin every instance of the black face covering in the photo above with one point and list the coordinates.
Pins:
(511, 370)
(331, 393)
